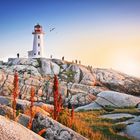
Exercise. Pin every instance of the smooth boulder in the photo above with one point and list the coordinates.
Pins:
(116, 99)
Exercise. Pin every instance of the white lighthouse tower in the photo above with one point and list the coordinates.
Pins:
(38, 43)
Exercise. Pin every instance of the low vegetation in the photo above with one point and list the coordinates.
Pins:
(78, 125)
(133, 111)
(107, 130)
(117, 120)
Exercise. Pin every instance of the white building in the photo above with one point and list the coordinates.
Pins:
(38, 43)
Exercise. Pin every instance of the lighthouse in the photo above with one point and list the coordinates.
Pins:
(38, 42)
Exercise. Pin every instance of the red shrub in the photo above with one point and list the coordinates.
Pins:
(57, 99)
(31, 107)
(15, 94)
(59, 104)
(55, 95)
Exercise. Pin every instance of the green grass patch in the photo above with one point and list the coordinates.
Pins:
(115, 120)
(133, 111)
(118, 127)
(108, 132)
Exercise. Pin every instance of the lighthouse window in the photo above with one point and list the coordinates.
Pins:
(38, 44)
(38, 37)
(38, 53)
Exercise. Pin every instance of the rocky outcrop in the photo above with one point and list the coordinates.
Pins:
(23, 119)
(54, 130)
(44, 88)
(22, 105)
(112, 99)
(78, 84)
(90, 106)
(23, 61)
(116, 99)
(84, 87)
(10, 130)
(48, 67)
(80, 99)
(81, 88)
(118, 81)
(4, 100)
(82, 74)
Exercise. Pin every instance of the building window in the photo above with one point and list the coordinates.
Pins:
(34, 53)
(38, 44)
(38, 36)
(38, 53)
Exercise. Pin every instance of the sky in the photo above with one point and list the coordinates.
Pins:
(101, 33)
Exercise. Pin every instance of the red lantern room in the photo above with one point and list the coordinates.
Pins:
(37, 29)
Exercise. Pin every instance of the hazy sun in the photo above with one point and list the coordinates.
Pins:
(126, 64)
